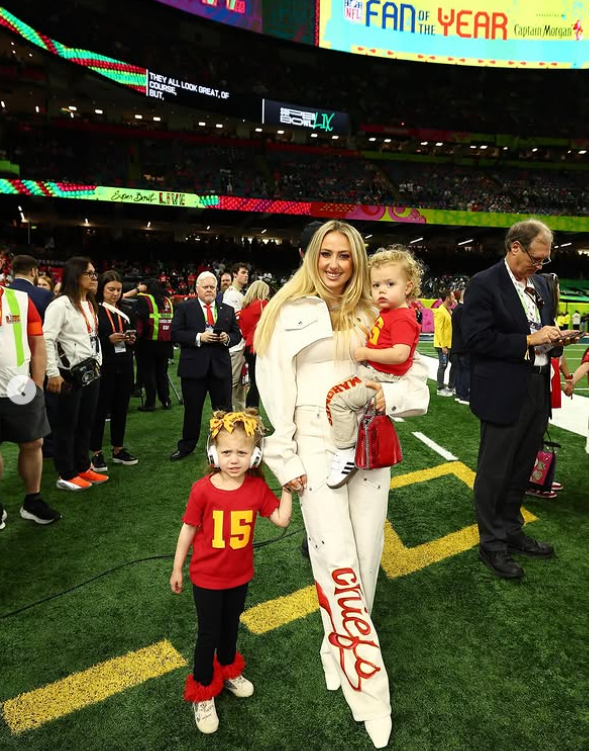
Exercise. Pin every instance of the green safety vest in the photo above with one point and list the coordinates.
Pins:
(14, 307)
(158, 318)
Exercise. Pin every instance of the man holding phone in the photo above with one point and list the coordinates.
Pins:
(508, 328)
(205, 330)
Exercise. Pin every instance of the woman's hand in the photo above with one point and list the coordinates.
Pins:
(361, 354)
(116, 338)
(568, 388)
(297, 484)
(54, 384)
(379, 400)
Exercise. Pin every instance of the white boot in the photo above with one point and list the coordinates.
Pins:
(239, 686)
(205, 716)
(379, 730)
(343, 467)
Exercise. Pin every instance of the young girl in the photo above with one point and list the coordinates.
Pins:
(395, 276)
(219, 524)
(569, 386)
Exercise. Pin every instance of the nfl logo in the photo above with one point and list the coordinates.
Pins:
(354, 10)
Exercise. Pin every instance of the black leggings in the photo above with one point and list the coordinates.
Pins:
(218, 612)
(116, 384)
(253, 397)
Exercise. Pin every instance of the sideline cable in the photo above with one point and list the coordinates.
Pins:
(255, 545)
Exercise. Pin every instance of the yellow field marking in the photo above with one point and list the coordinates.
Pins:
(274, 613)
(397, 559)
(35, 708)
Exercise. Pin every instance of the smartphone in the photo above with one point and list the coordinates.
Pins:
(565, 335)
(130, 333)
(217, 331)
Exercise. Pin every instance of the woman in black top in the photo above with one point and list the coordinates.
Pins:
(117, 337)
(154, 344)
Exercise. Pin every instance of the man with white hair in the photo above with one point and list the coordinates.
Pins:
(205, 330)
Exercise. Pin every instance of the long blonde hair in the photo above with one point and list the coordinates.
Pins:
(354, 301)
(259, 290)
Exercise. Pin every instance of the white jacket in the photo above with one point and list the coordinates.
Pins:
(65, 324)
(300, 324)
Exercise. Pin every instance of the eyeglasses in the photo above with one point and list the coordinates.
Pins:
(537, 298)
(90, 274)
(537, 261)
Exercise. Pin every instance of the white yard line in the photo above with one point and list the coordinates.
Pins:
(436, 447)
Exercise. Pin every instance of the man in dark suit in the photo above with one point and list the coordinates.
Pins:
(205, 330)
(508, 328)
(25, 271)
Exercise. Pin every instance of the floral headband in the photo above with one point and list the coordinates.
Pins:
(230, 420)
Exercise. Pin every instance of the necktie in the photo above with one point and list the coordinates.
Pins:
(210, 319)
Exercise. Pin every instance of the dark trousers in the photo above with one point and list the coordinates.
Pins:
(153, 368)
(461, 367)
(253, 397)
(443, 361)
(218, 612)
(506, 458)
(116, 384)
(74, 417)
(194, 393)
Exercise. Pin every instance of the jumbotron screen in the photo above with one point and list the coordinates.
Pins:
(286, 19)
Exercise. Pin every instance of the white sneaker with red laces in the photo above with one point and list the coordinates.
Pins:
(343, 467)
(205, 716)
(239, 686)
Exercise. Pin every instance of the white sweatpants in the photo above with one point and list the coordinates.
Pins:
(345, 528)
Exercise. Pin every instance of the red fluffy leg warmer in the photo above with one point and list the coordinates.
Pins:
(195, 692)
(233, 669)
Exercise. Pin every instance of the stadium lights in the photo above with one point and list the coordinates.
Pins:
(20, 209)
(148, 225)
(505, 148)
(565, 245)
(71, 108)
(570, 151)
(3, 105)
(138, 117)
(368, 237)
(86, 221)
(99, 112)
(372, 139)
(259, 130)
(583, 151)
(218, 125)
(465, 242)
(314, 135)
(483, 146)
(439, 143)
(263, 232)
(472, 146)
(334, 138)
(280, 132)
(424, 143)
(202, 125)
(417, 239)
(37, 110)
(387, 140)
(208, 226)
(157, 119)
(72, 115)
(534, 150)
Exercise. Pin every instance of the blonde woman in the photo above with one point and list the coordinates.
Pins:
(305, 342)
(254, 302)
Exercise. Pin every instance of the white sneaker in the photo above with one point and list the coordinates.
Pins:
(75, 484)
(462, 401)
(445, 392)
(343, 467)
(205, 716)
(239, 686)
(379, 730)
(3, 516)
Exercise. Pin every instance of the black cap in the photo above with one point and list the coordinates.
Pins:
(307, 234)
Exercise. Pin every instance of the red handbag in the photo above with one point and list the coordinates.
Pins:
(378, 443)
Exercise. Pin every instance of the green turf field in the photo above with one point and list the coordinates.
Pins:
(475, 663)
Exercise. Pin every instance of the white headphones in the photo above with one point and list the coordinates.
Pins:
(255, 459)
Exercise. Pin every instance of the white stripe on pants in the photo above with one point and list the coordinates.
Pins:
(346, 537)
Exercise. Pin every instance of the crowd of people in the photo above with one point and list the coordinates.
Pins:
(248, 168)
(66, 363)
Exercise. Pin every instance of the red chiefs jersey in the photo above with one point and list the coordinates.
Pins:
(398, 326)
(222, 552)
(586, 359)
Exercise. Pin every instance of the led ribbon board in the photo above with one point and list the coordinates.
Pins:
(317, 209)
(504, 33)
(304, 118)
(246, 14)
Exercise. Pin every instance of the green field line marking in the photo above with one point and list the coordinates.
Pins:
(79, 690)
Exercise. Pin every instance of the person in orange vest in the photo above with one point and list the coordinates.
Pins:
(23, 419)
(154, 344)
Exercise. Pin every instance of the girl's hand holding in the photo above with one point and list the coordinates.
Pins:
(297, 484)
(379, 400)
(176, 582)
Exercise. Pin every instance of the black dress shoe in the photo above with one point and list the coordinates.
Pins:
(177, 455)
(524, 545)
(145, 408)
(501, 563)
